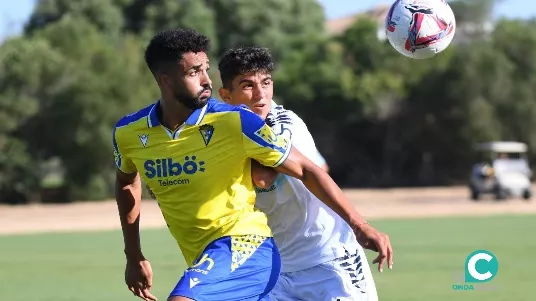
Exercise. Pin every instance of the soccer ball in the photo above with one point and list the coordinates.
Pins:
(420, 29)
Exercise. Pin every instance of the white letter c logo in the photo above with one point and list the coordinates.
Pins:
(471, 266)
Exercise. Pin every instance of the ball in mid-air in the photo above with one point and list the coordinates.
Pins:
(420, 29)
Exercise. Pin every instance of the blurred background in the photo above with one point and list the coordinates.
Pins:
(399, 135)
(70, 68)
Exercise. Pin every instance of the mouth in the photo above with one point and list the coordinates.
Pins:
(259, 106)
(206, 93)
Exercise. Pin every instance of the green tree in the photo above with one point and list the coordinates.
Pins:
(282, 25)
(26, 71)
(516, 40)
(96, 80)
(102, 13)
(145, 18)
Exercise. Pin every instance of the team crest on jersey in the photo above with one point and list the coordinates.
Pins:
(207, 131)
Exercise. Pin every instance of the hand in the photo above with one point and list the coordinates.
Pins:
(262, 176)
(139, 279)
(372, 239)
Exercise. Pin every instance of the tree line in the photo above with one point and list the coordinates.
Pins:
(380, 119)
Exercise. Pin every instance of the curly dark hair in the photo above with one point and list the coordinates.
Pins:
(242, 60)
(168, 46)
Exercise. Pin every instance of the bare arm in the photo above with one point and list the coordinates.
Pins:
(263, 145)
(128, 198)
(324, 188)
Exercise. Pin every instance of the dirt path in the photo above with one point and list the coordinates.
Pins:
(373, 204)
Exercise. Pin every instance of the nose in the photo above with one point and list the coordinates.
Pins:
(258, 92)
(205, 79)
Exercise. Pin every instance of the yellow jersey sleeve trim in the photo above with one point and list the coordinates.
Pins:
(122, 162)
(260, 142)
(284, 158)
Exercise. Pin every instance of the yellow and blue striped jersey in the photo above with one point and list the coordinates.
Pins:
(201, 173)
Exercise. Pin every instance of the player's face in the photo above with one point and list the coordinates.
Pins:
(254, 89)
(190, 83)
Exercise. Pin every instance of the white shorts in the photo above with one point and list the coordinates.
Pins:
(345, 278)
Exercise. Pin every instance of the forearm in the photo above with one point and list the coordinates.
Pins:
(128, 198)
(321, 185)
(324, 188)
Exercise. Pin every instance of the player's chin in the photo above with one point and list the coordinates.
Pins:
(202, 101)
(261, 111)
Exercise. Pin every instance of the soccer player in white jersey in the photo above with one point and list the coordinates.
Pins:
(321, 258)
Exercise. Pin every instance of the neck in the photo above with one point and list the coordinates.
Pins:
(173, 113)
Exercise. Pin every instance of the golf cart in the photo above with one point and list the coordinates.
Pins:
(504, 171)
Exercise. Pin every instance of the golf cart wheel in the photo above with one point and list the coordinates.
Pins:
(527, 195)
(475, 195)
(500, 194)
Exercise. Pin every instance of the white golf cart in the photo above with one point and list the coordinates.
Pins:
(504, 172)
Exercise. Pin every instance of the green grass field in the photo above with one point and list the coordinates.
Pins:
(429, 259)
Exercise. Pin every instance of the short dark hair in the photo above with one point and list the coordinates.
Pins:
(242, 60)
(168, 47)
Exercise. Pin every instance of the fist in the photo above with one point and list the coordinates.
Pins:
(263, 177)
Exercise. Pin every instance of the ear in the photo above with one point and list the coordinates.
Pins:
(162, 80)
(224, 94)
(166, 80)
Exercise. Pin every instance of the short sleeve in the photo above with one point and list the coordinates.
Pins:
(122, 162)
(260, 142)
(289, 124)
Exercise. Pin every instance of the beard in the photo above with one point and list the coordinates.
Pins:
(193, 102)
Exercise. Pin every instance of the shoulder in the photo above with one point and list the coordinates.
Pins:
(133, 121)
(281, 116)
(216, 106)
(135, 118)
(288, 123)
(246, 116)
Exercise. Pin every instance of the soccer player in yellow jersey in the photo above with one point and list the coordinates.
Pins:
(195, 155)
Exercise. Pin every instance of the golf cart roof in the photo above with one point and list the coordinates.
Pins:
(503, 147)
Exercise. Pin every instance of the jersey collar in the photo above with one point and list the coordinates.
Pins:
(194, 119)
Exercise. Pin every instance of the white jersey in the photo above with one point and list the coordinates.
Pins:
(306, 231)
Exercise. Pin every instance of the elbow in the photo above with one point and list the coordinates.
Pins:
(127, 182)
(121, 186)
(310, 171)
